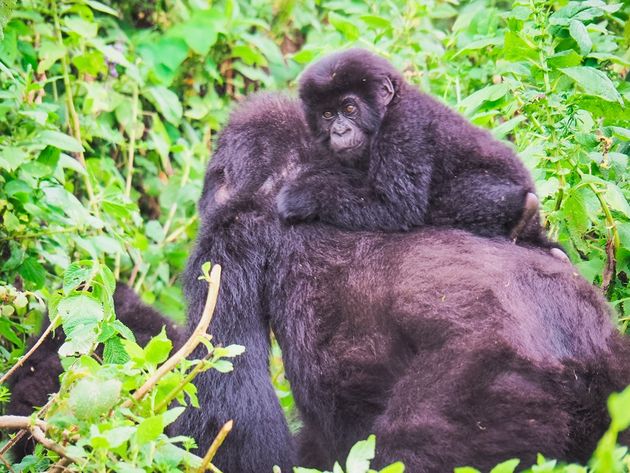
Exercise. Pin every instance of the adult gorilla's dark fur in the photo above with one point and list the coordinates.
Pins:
(34, 381)
(392, 158)
(453, 349)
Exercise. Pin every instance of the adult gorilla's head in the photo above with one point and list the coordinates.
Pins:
(345, 96)
(264, 142)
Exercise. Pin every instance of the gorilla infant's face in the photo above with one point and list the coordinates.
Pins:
(342, 125)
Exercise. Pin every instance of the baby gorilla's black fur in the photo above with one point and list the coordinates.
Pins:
(388, 157)
(38, 377)
(453, 349)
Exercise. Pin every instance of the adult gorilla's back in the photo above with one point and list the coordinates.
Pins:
(453, 349)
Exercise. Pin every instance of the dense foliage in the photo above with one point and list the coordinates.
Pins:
(108, 110)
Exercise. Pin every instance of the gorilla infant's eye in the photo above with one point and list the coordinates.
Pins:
(327, 115)
(350, 108)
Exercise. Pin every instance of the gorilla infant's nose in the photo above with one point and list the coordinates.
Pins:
(340, 130)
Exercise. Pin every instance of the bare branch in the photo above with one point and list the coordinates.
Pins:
(212, 450)
(21, 361)
(37, 427)
(188, 347)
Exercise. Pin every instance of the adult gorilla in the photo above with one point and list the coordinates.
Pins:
(451, 348)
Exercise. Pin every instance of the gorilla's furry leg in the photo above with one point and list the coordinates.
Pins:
(467, 410)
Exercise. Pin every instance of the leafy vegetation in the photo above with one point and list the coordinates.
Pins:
(108, 110)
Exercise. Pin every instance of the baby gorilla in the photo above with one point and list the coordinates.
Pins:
(402, 159)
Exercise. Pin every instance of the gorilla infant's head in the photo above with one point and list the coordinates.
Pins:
(345, 96)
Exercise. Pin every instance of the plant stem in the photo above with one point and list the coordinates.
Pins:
(74, 124)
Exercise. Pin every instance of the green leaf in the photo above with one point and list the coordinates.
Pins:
(11, 222)
(616, 199)
(566, 58)
(75, 274)
(49, 53)
(223, 366)
(91, 398)
(466, 469)
(200, 32)
(78, 311)
(80, 26)
(149, 429)
(487, 94)
(376, 22)
(166, 102)
(360, 455)
(119, 435)
(397, 467)
(594, 82)
(114, 351)
(517, 49)
(32, 271)
(580, 35)
(506, 467)
(158, 348)
(11, 158)
(619, 408)
(344, 26)
(60, 140)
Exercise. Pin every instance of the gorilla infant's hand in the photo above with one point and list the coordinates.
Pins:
(297, 202)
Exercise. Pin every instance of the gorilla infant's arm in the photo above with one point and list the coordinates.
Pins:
(420, 162)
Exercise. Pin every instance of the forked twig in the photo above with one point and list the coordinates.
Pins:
(37, 427)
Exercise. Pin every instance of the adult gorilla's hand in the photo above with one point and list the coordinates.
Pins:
(298, 201)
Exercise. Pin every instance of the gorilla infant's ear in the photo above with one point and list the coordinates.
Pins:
(386, 92)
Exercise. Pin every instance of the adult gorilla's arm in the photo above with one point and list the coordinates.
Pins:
(260, 437)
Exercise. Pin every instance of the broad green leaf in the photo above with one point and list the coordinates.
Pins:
(49, 53)
(594, 82)
(119, 435)
(376, 21)
(166, 102)
(91, 398)
(465, 469)
(616, 199)
(32, 271)
(11, 222)
(580, 35)
(344, 26)
(77, 273)
(11, 158)
(114, 351)
(158, 348)
(60, 140)
(517, 49)
(78, 311)
(566, 58)
(80, 26)
(149, 429)
(487, 94)
(360, 455)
